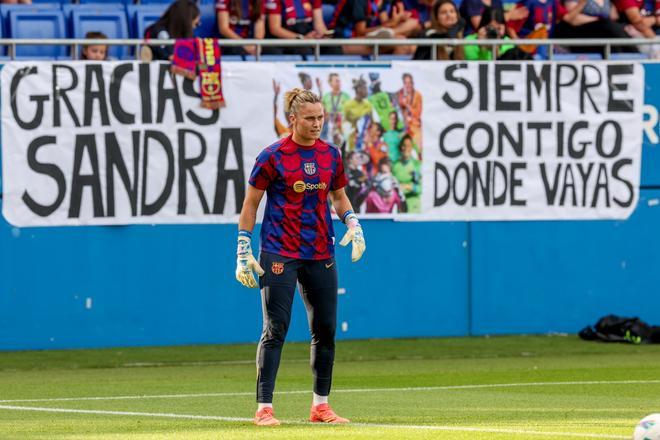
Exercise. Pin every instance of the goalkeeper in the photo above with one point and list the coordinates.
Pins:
(298, 173)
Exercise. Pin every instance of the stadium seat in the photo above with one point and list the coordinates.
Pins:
(629, 56)
(273, 57)
(391, 57)
(42, 58)
(167, 2)
(5, 8)
(208, 27)
(576, 56)
(70, 7)
(232, 58)
(112, 24)
(141, 16)
(3, 49)
(41, 24)
(344, 58)
(100, 2)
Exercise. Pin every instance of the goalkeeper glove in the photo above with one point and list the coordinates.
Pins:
(245, 261)
(353, 235)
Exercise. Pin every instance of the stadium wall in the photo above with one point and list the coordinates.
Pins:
(73, 287)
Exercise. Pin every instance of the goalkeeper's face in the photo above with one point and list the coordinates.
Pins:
(307, 122)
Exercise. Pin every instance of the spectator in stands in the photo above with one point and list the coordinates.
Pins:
(640, 20)
(445, 23)
(14, 2)
(239, 19)
(591, 19)
(372, 19)
(539, 23)
(393, 14)
(178, 21)
(472, 11)
(95, 52)
(407, 171)
(491, 27)
(296, 19)
(421, 12)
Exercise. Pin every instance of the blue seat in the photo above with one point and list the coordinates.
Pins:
(208, 28)
(42, 24)
(392, 57)
(112, 24)
(3, 49)
(629, 56)
(101, 2)
(345, 58)
(70, 7)
(5, 8)
(274, 57)
(42, 58)
(140, 17)
(144, 19)
(576, 56)
(232, 58)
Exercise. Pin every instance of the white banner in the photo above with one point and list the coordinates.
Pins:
(124, 142)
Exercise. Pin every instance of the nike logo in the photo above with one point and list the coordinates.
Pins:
(328, 266)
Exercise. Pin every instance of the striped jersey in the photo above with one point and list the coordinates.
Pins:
(297, 179)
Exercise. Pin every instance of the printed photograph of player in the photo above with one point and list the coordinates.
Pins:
(375, 119)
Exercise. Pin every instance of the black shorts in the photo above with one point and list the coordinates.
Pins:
(286, 271)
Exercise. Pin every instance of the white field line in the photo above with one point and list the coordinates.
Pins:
(297, 422)
(347, 390)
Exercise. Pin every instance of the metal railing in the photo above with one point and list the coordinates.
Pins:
(316, 45)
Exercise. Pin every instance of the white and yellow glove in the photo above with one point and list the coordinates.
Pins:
(353, 235)
(245, 261)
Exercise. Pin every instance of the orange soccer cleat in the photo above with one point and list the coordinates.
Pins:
(324, 414)
(265, 417)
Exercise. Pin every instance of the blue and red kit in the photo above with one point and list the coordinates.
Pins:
(297, 179)
(293, 11)
(241, 22)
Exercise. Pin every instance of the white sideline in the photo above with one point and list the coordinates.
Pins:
(347, 390)
(296, 422)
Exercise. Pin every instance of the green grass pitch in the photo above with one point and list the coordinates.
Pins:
(522, 387)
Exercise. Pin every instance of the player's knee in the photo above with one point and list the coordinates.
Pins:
(324, 334)
(276, 331)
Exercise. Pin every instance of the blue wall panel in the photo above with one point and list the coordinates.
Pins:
(651, 145)
(412, 283)
(535, 277)
(161, 285)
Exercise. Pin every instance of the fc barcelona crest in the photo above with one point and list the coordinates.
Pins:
(277, 268)
(310, 168)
